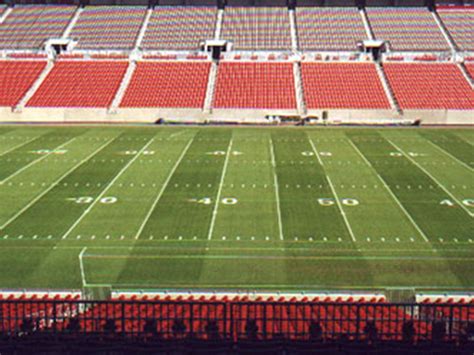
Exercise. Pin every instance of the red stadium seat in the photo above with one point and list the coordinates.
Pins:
(80, 84)
(16, 77)
(255, 85)
(168, 84)
(430, 86)
(342, 86)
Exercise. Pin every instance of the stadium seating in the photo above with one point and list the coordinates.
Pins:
(16, 77)
(407, 29)
(29, 26)
(329, 28)
(460, 24)
(110, 27)
(429, 86)
(168, 84)
(470, 70)
(18, 314)
(342, 86)
(179, 27)
(2, 9)
(80, 84)
(262, 28)
(255, 85)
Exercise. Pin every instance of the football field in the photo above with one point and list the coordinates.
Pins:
(226, 207)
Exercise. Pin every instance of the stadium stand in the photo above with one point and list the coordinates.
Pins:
(460, 23)
(342, 86)
(236, 317)
(257, 28)
(16, 77)
(29, 26)
(429, 86)
(179, 27)
(168, 84)
(407, 29)
(255, 85)
(328, 29)
(80, 84)
(2, 9)
(110, 27)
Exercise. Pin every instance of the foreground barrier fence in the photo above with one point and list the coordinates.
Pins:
(209, 320)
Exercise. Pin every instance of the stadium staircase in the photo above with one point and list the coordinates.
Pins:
(388, 90)
(444, 31)
(368, 28)
(141, 34)
(5, 14)
(469, 77)
(294, 32)
(211, 87)
(73, 22)
(219, 21)
(123, 87)
(300, 102)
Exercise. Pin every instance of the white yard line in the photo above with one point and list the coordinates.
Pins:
(81, 266)
(338, 202)
(390, 192)
(277, 193)
(219, 191)
(165, 185)
(471, 214)
(450, 155)
(55, 183)
(36, 161)
(109, 185)
(20, 145)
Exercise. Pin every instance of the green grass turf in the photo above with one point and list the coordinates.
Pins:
(252, 208)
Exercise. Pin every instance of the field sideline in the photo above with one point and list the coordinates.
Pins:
(224, 207)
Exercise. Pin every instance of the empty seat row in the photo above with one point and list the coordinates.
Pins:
(80, 84)
(16, 77)
(239, 85)
(430, 86)
(407, 29)
(460, 24)
(179, 27)
(29, 26)
(116, 27)
(254, 28)
(329, 28)
(343, 85)
(255, 85)
(168, 84)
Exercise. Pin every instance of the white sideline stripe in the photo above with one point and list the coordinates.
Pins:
(106, 189)
(81, 267)
(163, 188)
(277, 194)
(219, 191)
(20, 145)
(449, 155)
(390, 191)
(35, 161)
(471, 214)
(55, 183)
(344, 217)
(281, 257)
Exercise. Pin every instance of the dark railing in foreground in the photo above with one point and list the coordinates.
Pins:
(239, 320)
